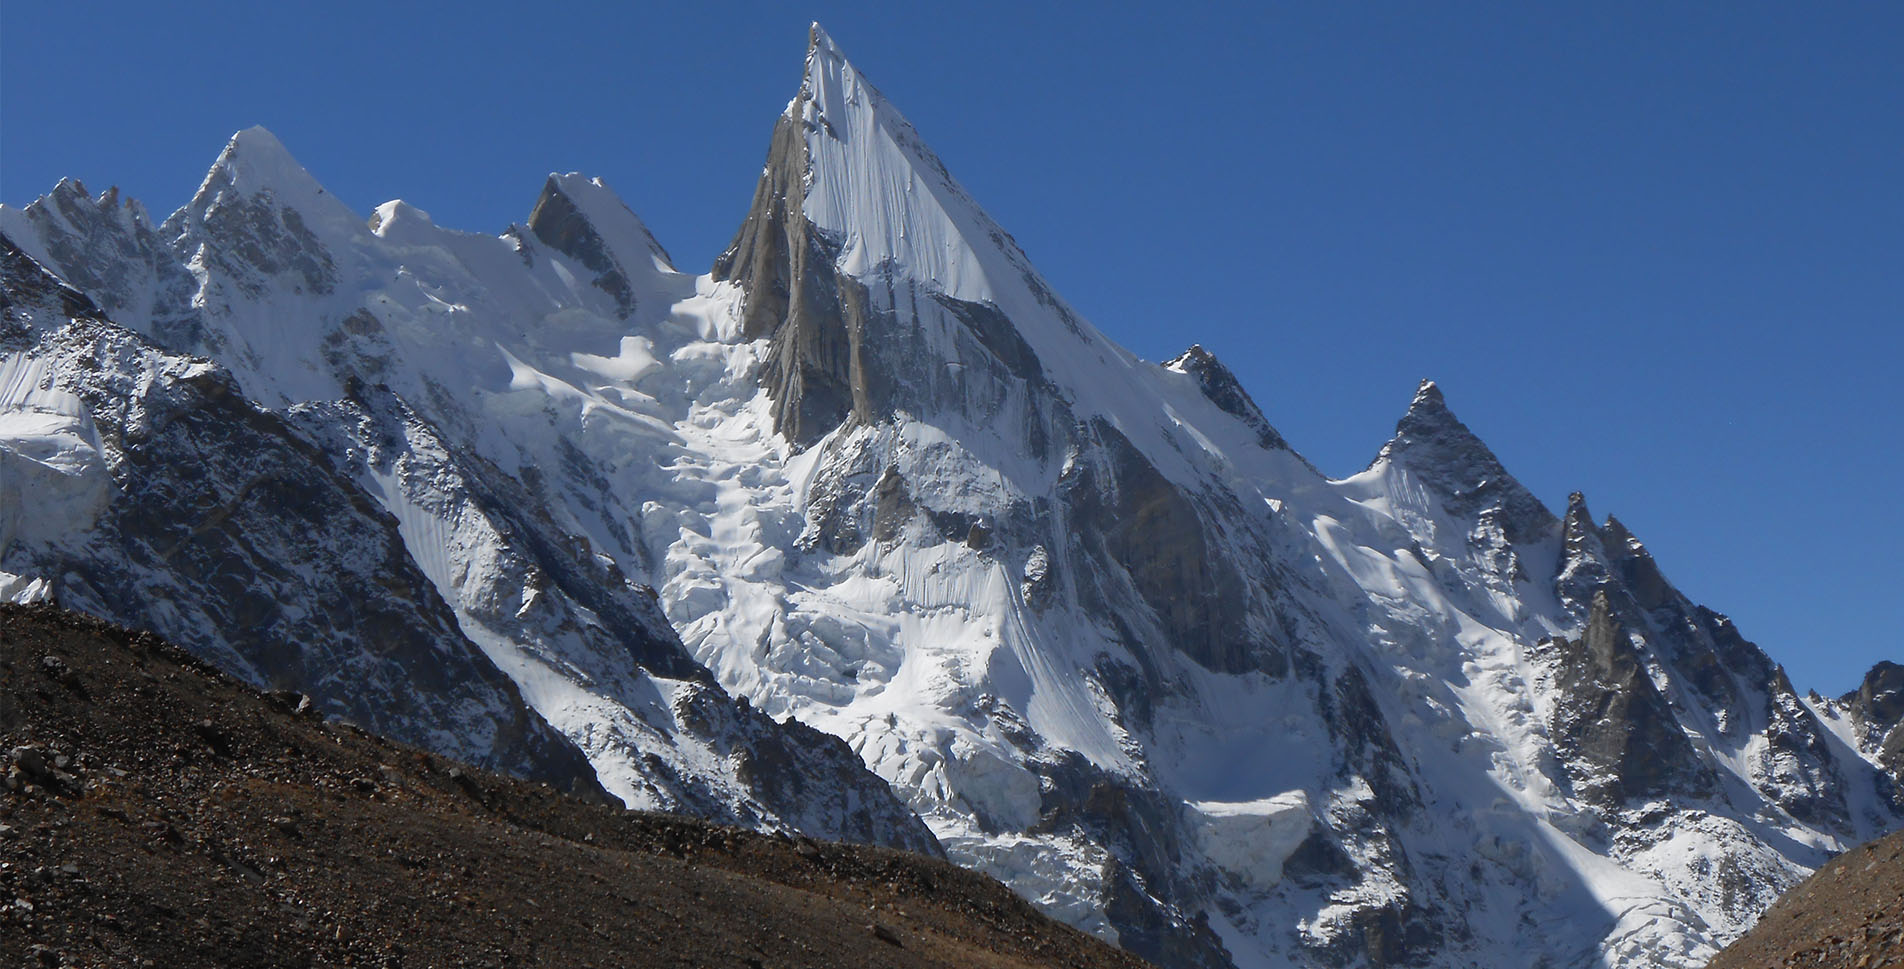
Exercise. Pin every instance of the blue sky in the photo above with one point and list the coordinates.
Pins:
(1654, 252)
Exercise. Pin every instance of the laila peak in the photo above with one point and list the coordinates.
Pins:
(867, 534)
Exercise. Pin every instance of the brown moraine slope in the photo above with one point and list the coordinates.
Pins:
(1848, 915)
(159, 813)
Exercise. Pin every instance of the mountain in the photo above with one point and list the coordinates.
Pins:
(1091, 618)
(343, 545)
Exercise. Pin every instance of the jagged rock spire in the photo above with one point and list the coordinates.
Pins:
(872, 271)
(1616, 727)
(105, 245)
(1433, 444)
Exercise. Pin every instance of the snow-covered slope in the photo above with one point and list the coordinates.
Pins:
(355, 333)
(1266, 716)
(140, 486)
(1089, 616)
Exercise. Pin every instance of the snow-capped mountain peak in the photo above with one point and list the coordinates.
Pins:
(585, 220)
(1220, 385)
(1088, 615)
(255, 163)
(1429, 424)
(1435, 449)
(884, 198)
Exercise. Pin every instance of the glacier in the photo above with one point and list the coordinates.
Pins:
(870, 500)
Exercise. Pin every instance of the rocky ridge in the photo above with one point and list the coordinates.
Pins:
(279, 544)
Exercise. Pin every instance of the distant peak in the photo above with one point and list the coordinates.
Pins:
(1222, 388)
(583, 219)
(1193, 358)
(256, 140)
(70, 187)
(1577, 507)
(1430, 426)
(1577, 524)
(1432, 443)
(825, 65)
(828, 76)
(819, 40)
(1428, 400)
(263, 216)
(254, 163)
(1617, 534)
(572, 201)
(576, 183)
(397, 216)
(256, 155)
(1429, 417)
(71, 194)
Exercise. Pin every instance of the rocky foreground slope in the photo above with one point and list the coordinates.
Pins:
(1847, 915)
(157, 812)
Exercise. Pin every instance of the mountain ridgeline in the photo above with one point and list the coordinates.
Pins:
(867, 534)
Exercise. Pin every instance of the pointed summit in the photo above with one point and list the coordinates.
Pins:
(1432, 444)
(819, 41)
(1430, 426)
(1220, 385)
(584, 219)
(255, 163)
(576, 196)
(857, 226)
(851, 165)
(1428, 397)
(886, 289)
(257, 148)
(1578, 520)
(267, 220)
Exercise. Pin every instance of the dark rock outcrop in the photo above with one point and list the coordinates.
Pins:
(1226, 392)
(1461, 470)
(1154, 534)
(1616, 733)
(562, 225)
(1877, 707)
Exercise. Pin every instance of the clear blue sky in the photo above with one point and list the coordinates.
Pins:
(1652, 251)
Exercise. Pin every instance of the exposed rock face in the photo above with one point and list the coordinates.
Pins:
(795, 299)
(351, 550)
(566, 226)
(1706, 665)
(1879, 700)
(1152, 535)
(1223, 389)
(1616, 734)
(1877, 707)
(229, 532)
